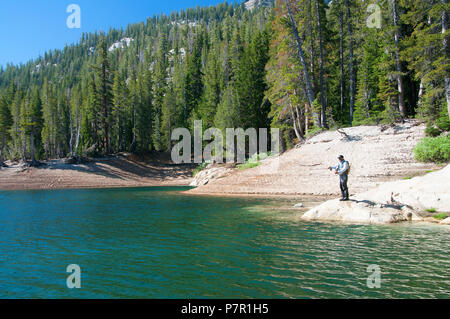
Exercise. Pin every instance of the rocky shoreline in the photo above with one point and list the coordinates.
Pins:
(377, 154)
(122, 170)
(387, 184)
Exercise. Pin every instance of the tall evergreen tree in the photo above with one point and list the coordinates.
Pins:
(193, 80)
(5, 126)
(31, 122)
(103, 86)
(213, 89)
(160, 83)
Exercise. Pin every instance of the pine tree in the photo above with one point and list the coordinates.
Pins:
(212, 92)
(5, 126)
(320, 12)
(16, 132)
(160, 83)
(169, 118)
(193, 80)
(368, 106)
(49, 114)
(133, 105)
(119, 110)
(309, 88)
(427, 53)
(75, 120)
(338, 94)
(399, 67)
(351, 58)
(31, 122)
(251, 85)
(227, 115)
(145, 111)
(103, 87)
(91, 122)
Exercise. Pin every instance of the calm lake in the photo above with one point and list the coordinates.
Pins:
(156, 243)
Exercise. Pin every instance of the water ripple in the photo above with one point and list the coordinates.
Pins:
(154, 243)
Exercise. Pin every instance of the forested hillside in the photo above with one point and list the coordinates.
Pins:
(302, 66)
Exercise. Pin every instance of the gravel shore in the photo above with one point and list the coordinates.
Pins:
(114, 171)
(376, 154)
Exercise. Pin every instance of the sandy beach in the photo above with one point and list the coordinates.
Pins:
(116, 171)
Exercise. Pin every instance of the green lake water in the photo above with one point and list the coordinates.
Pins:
(156, 243)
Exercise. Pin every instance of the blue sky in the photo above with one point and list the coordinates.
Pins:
(28, 28)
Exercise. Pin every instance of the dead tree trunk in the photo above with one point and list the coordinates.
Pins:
(323, 99)
(309, 91)
(300, 120)
(445, 49)
(401, 94)
(294, 121)
(77, 138)
(341, 57)
(351, 62)
(33, 159)
(312, 48)
(3, 146)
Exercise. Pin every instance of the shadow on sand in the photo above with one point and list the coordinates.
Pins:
(124, 169)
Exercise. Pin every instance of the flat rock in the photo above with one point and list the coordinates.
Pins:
(356, 212)
(210, 173)
(445, 221)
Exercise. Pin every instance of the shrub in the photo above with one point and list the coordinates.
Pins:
(314, 131)
(441, 216)
(254, 161)
(200, 168)
(433, 149)
(443, 123)
(431, 210)
(248, 165)
(432, 131)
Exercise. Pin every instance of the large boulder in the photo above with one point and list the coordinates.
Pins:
(355, 211)
(390, 202)
(420, 193)
(210, 173)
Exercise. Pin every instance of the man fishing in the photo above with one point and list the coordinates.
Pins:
(342, 169)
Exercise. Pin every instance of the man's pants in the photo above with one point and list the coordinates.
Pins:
(344, 188)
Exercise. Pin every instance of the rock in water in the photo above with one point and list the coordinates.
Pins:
(299, 205)
(445, 221)
(356, 212)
